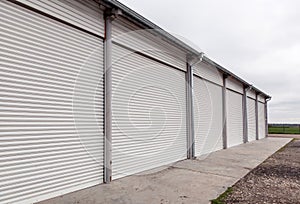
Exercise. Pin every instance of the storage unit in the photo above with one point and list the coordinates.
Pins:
(234, 94)
(149, 114)
(51, 112)
(167, 100)
(208, 100)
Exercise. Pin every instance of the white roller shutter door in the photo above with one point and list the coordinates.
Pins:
(251, 119)
(51, 107)
(207, 116)
(149, 114)
(261, 121)
(234, 118)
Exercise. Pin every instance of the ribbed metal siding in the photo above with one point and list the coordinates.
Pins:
(131, 36)
(234, 118)
(207, 117)
(251, 94)
(51, 107)
(85, 14)
(234, 85)
(261, 99)
(261, 121)
(209, 73)
(251, 119)
(149, 114)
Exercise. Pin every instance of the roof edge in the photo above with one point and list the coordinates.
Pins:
(129, 13)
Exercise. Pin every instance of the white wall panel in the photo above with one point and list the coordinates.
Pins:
(51, 107)
(149, 114)
(261, 99)
(233, 84)
(207, 116)
(209, 73)
(251, 119)
(251, 94)
(144, 41)
(234, 118)
(85, 14)
(261, 121)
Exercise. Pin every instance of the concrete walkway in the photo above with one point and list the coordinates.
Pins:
(188, 181)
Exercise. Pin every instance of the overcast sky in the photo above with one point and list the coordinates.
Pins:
(259, 40)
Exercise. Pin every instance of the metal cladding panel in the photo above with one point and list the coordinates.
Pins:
(234, 118)
(148, 43)
(51, 107)
(149, 114)
(234, 85)
(85, 14)
(261, 99)
(251, 94)
(209, 73)
(261, 121)
(207, 116)
(251, 119)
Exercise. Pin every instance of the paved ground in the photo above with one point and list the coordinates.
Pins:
(277, 180)
(188, 181)
(285, 136)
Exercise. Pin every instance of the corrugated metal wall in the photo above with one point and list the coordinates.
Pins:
(207, 116)
(251, 119)
(234, 118)
(85, 14)
(261, 121)
(251, 94)
(51, 113)
(234, 85)
(261, 99)
(131, 36)
(149, 114)
(209, 73)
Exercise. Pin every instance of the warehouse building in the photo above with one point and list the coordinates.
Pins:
(91, 92)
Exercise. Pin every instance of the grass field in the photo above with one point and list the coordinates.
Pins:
(284, 130)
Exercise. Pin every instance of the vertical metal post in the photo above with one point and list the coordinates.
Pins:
(266, 118)
(245, 117)
(190, 113)
(256, 115)
(224, 106)
(108, 100)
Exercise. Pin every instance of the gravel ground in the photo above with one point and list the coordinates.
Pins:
(277, 180)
